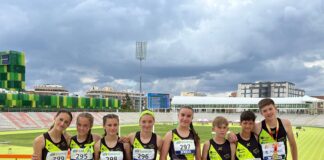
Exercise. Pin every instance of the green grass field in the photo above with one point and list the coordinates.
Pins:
(310, 141)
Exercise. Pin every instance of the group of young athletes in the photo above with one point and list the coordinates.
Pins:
(266, 140)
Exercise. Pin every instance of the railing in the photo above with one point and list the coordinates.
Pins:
(16, 156)
(22, 156)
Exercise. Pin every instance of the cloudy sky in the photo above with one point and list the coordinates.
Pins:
(192, 45)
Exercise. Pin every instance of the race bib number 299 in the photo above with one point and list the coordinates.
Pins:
(61, 155)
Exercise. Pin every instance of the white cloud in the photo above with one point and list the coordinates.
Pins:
(125, 82)
(317, 63)
(88, 80)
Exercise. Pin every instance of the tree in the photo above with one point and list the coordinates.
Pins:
(127, 103)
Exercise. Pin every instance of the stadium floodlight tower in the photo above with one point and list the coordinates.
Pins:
(140, 55)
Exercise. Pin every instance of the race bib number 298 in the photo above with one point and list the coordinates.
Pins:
(111, 155)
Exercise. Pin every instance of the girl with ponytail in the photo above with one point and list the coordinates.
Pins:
(54, 143)
(82, 144)
(182, 142)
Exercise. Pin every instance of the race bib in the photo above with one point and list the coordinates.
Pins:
(269, 153)
(186, 146)
(60, 155)
(142, 153)
(78, 154)
(111, 155)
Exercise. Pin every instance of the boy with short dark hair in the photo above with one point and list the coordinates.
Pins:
(247, 146)
(273, 133)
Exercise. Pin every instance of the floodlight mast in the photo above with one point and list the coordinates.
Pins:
(141, 55)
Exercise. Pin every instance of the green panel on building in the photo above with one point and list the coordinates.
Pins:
(69, 102)
(75, 102)
(12, 70)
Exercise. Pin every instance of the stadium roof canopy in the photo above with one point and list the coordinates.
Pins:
(178, 100)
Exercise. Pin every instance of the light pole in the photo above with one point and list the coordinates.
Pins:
(140, 55)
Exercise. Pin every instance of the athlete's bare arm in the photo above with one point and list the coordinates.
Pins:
(291, 138)
(166, 145)
(257, 128)
(205, 150)
(97, 150)
(96, 137)
(131, 137)
(67, 136)
(38, 145)
(198, 151)
(159, 142)
(233, 150)
(127, 149)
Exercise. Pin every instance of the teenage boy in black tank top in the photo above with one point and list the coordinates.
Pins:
(247, 146)
(273, 133)
(218, 148)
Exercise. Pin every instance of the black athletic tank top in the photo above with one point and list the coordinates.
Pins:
(223, 150)
(88, 145)
(50, 146)
(251, 146)
(74, 139)
(172, 153)
(282, 134)
(152, 144)
(118, 147)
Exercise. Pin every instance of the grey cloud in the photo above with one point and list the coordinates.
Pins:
(213, 46)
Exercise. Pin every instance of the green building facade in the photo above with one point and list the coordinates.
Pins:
(12, 78)
(34, 102)
(12, 70)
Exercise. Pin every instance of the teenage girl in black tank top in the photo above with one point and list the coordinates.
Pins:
(54, 140)
(109, 146)
(118, 147)
(145, 144)
(172, 152)
(75, 144)
(62, 145)
(152, 144)
(183, 142)
(84, 141)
